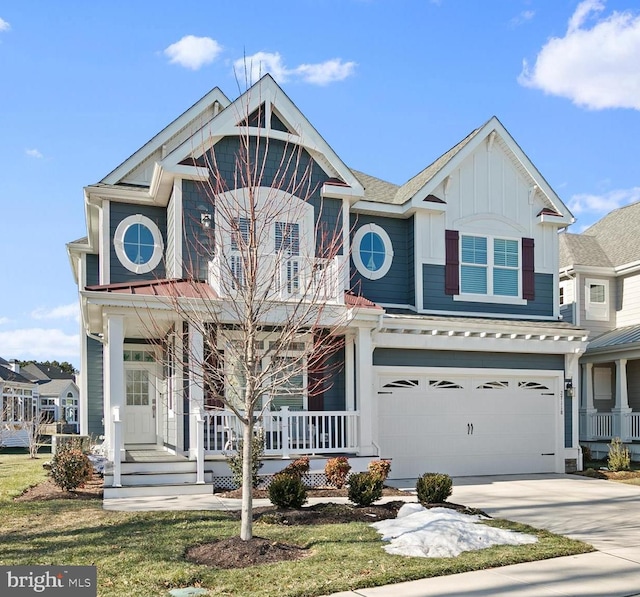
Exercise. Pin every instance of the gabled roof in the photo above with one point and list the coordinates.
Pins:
(54, 387)
(376, 189)
(7, 374)
(580, 249)
(42, 372)
(617, 234)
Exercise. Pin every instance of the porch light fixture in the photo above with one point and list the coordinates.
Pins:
(568, 387)
(205, 220)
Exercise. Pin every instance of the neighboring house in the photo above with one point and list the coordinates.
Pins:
(455, 357)
(59, 394)
(600, 291)
(18, 406)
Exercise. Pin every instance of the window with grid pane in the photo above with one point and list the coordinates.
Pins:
(287, 236)
(506, 267)
(473, 265)
(289, 384)
(137, 384)
(240, 233)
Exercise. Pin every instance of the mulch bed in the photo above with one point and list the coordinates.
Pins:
(607, 474)
(48, 490)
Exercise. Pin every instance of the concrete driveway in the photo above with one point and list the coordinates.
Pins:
(603, 513)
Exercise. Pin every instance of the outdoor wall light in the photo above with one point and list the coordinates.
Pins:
(568, 387)
(205, 220)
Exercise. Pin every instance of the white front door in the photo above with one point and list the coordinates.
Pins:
(140, 411)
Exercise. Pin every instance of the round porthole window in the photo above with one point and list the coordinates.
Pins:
(138, 244)
(372, 251)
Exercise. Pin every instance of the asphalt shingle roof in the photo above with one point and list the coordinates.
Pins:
(7, 374)
(581, 249)
(54, 387)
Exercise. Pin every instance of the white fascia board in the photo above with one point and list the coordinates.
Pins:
(333, 191)
(383, 209)
(96, 193)
(628, 268)
(560, 221)
(594, 270)
(165, 134)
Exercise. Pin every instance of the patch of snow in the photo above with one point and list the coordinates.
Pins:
(441, 533)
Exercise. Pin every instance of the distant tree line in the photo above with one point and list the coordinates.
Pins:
(64, 366)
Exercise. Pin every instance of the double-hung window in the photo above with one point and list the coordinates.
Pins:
(489, 266)
(287, 246)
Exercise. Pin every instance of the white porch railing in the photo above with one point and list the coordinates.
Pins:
(634, 426)
(286, 432)
(285, 278)
(601, 425)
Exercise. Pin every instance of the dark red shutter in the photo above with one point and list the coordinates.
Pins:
(451, 276)
(528, 280)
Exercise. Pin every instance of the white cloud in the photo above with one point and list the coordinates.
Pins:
(193, 52)
(40, 344)
(599, 205)
(250, 68)
(4, 26)
(4, 320)
(595, 67)
(70, 311)
(33, 153)
(326, 72)
(523, 17)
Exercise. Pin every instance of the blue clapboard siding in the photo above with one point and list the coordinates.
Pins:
(405, 357)
(92, 270)
(196, 197)
(436, 300)
(95, 391)
(117, 213)
(397, 286)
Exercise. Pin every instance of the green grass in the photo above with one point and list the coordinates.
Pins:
(141, 554)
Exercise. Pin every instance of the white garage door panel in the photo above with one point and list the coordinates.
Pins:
(468, 431)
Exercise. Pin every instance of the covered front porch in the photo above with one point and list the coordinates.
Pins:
(610, 401)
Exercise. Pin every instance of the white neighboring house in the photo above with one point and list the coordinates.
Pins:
(59, 394)
(19, 405)
(600, 291)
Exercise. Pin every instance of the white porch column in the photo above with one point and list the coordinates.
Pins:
(349, 374)
(114, 382)
(588, 409)
(365, 401)
(572, 372)
(621, 411)
(196, 385)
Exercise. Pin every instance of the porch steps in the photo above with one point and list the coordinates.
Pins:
(164, 490)
(138, 478)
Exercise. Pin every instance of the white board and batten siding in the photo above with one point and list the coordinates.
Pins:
(467, 423)
(628, 289)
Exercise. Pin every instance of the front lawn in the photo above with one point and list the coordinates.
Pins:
(142, 554)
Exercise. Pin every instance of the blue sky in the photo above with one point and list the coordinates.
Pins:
(390, 85)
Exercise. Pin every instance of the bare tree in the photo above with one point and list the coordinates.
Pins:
(271, 311)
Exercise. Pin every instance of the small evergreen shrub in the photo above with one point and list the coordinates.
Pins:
(336, 471)
(380, 469)
(70, 468)
(287, 491)
(364, 488)
(257, 452)
(433, 488)
(298, 467)
(618, 459)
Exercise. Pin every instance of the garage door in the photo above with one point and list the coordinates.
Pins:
(467, 425)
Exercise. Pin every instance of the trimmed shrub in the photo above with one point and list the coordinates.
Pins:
(287, 491)
(257, 452)
(618, 459)
(434, 488)
(336, 471)
(380, 469)
(297, 468)
(70, 468)
(364, 488)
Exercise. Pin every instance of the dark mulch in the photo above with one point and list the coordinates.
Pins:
(48, 490)
(236, 553)
(602, 473)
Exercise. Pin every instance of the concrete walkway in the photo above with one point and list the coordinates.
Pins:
(603, 513)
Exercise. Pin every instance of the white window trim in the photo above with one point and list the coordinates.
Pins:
(490, 297)
(118, 243)
(596, 311)
(388, 250)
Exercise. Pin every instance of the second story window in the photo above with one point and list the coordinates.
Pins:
(372, 251)
(489, 266)
(138, 244)
(597, 299)
(287, 238)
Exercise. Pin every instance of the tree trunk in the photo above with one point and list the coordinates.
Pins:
(246, 519)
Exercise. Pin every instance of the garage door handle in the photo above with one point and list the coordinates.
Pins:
(548, 454)
(469, 428)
